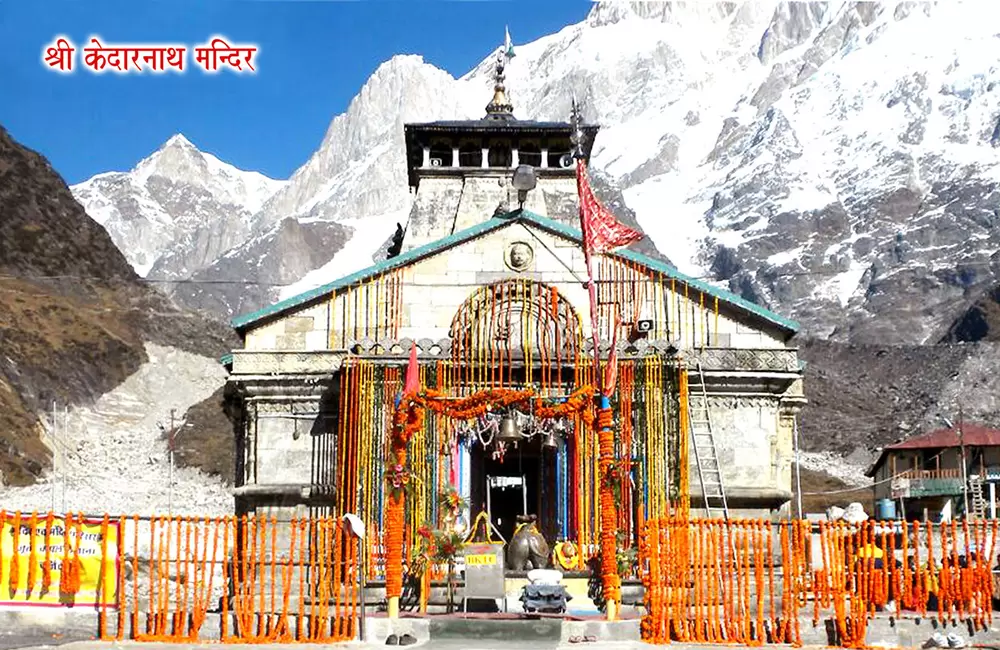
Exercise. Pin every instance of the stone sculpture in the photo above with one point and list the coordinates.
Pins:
(527, 549)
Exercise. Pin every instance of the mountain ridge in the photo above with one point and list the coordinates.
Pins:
(75, 316)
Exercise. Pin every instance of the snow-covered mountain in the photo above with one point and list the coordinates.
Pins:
(837, 161)
(177, 210)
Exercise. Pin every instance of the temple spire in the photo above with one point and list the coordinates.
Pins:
(500, 107)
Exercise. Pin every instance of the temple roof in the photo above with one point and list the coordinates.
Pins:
(246, 321)
(494, 125)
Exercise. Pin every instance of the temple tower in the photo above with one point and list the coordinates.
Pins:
(462, 170)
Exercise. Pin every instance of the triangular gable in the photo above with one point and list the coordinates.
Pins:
(242, 323)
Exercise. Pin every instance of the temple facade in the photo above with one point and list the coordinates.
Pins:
(489, 285)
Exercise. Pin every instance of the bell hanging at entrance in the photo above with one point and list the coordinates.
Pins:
(508, 430)
(551, 441)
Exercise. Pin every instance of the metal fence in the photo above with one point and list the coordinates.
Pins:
(749, 582)
(246, 579)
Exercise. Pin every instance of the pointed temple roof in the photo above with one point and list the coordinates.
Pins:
(242, 323)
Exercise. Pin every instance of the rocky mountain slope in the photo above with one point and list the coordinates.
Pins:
(74, 318)
(177, 210)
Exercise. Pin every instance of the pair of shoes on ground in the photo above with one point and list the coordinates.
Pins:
(406, 639)
(939, 640)
(582, 639)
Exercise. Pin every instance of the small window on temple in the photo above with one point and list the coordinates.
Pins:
(441, 154)
(470, 154)
(500, 154)
(529, 153)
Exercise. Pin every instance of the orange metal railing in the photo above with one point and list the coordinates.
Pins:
(747, 582)
(184, 579)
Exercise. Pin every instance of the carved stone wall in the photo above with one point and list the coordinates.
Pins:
(274, 362)
(751, 446)
(711, 359)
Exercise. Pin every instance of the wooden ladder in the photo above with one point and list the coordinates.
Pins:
(978, 504)
(703, 441)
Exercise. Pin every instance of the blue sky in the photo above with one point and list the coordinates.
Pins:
(314, 57)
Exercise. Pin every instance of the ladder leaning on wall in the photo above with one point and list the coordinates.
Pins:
(703, 441)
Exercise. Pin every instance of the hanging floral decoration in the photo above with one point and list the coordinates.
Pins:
(610, 580)
(408, 419)
(400, 480)
(451, 502)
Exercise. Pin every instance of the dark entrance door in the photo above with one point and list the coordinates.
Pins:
(536, 465)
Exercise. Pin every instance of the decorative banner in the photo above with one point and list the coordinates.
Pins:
(98, 558)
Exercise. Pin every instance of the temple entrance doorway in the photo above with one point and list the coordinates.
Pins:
(515, 484)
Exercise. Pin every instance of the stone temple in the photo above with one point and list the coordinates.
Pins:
(488, 282)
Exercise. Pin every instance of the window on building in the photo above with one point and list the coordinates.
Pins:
(529, 153)
(441, 153)
(470, 154)
(500, 154)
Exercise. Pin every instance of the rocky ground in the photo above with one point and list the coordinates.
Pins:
(74, 316)
(111, 456)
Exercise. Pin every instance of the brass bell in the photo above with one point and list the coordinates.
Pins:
(508, 430)
(550, 442)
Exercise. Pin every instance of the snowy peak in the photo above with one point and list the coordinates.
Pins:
(177, 209)
(359, 169)
(179, 160)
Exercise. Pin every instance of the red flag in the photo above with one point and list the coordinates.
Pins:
(601, 231)
(412, 383)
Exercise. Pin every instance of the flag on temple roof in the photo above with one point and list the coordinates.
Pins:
(508, 45)
(602, 232)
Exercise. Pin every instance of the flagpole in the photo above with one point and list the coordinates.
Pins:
(601, 233)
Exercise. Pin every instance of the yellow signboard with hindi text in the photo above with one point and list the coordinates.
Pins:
(93, 543)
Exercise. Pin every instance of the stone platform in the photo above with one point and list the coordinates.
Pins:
(57, 626)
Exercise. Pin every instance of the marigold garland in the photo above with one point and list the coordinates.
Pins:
(408, 420)
(15, 558)
(610, 580)
(47, 567)
(32, 553)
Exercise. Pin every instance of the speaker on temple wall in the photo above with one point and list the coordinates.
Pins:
(566, 161)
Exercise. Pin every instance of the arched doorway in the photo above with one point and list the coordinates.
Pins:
(516, 322)
(514, 334)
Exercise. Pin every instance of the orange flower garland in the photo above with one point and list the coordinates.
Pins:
(408, 420)
(15, 559)
(610, 579)
(47, 567)
(32, 553)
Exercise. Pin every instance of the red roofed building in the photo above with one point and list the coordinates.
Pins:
(925, 472)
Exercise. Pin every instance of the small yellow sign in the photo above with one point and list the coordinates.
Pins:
(480, 560)
(98, 561)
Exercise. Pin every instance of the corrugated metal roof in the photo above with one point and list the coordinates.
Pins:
(973, 435)
(241, 323)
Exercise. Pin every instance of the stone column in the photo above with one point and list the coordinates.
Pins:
(427, 157)
(454, 157)
(250, 445)
(486, 157)
(514, 158)
(545, 158)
